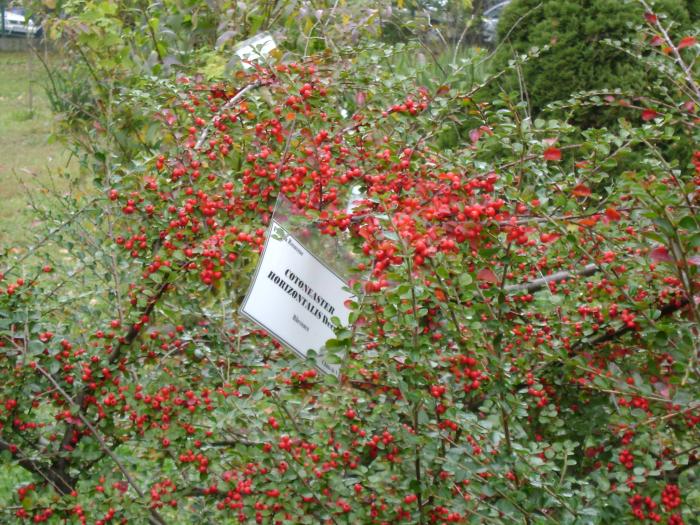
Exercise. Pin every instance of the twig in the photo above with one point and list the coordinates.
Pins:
(238, 96)
(155, 517)
(538, 284)
(679, 60)
(46, 237)
(62, 485)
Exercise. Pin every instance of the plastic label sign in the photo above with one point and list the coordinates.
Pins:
(255, 48)
(294, 295)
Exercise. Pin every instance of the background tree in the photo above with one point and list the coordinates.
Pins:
(575, 57)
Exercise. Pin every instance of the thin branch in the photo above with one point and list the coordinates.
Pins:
(154, 517)
(238, 96)
(46, 237)
(54, 478)
(676, 53)
(538, 284)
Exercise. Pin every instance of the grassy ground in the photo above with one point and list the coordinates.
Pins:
(28, 161)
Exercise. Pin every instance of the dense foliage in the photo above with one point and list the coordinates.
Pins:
(524, 347)
(577, 56)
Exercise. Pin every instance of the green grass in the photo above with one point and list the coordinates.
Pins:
(30, 169)
(29, 162)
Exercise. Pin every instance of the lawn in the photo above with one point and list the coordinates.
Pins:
(30, 163)
(29, 166)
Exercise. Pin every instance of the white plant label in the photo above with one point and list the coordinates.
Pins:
(294, 295)
(259, 46)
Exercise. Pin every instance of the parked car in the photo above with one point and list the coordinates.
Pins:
(13, 22)
(490, 21)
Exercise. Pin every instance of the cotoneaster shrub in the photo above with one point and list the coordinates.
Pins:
(523, 348)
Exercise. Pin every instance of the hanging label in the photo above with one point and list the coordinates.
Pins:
(294, 295)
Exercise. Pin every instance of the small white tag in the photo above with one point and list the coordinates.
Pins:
(257, 47)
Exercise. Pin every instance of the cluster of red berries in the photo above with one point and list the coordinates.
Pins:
(671, 496)
(641, 503)
(626, 458)
(12, 288)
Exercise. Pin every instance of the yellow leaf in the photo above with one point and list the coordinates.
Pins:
(399, 3)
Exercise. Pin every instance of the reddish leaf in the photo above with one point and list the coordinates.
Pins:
(663, 389)
(487, 275)
(475, 135)
(589, 222)
(549, 237)
(656, 41)
(581, 190)
(170, 117)
(612, 214)
(650, 17)
(552, 153)
(687, 41)
(660, 254)
(649, 114)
